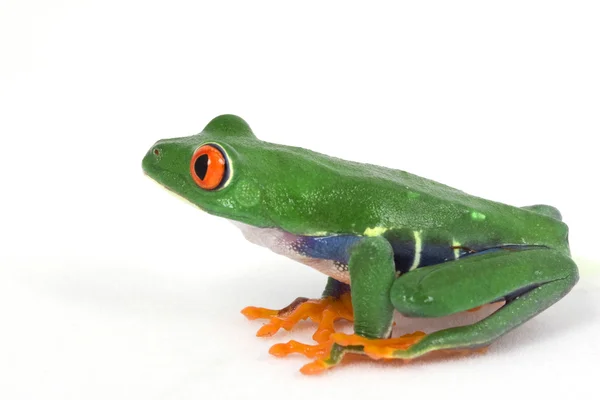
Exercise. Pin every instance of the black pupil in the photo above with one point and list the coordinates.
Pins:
(201, 166)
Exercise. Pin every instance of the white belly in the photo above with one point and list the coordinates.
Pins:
(289, 245)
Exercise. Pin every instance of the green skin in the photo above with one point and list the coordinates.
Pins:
(310, 194)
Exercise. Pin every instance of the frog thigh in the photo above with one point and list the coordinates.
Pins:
(529, 280)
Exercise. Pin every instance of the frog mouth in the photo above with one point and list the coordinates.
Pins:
(168, 189)
(147, 175)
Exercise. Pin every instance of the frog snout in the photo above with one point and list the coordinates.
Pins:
(153, 157)
(166, 162)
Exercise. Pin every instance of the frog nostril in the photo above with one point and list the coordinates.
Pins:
(156, 152)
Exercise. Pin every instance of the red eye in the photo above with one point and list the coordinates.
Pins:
(208, 167)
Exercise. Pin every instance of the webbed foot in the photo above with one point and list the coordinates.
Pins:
(330, 353)
(323, 311)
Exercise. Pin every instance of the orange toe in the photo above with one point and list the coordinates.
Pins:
(253, 313)
(315, 367)
(311, 351)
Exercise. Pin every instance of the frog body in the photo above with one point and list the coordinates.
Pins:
(374, 230)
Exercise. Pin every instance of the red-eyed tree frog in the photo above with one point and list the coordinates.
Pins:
(387, 240)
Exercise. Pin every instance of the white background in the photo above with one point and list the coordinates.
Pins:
(110, 288)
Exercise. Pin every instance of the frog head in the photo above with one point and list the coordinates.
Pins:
(222, 170)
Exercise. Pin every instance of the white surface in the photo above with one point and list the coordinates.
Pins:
(112, 289)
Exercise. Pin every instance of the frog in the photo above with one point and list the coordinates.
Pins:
(388, 241)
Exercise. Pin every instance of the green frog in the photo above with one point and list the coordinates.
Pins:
(386, 239)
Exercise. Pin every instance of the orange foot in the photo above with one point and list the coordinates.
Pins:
(327, 357)
(322, 311)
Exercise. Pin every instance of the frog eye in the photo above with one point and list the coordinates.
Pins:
(209, 167)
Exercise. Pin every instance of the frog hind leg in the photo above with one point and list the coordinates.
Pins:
(529, 280)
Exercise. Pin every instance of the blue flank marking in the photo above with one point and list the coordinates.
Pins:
(336, 248)
(432, 254)
(328, 247)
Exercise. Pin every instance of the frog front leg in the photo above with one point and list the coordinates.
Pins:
(333, 305)
(528, 280)
(372, 273)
